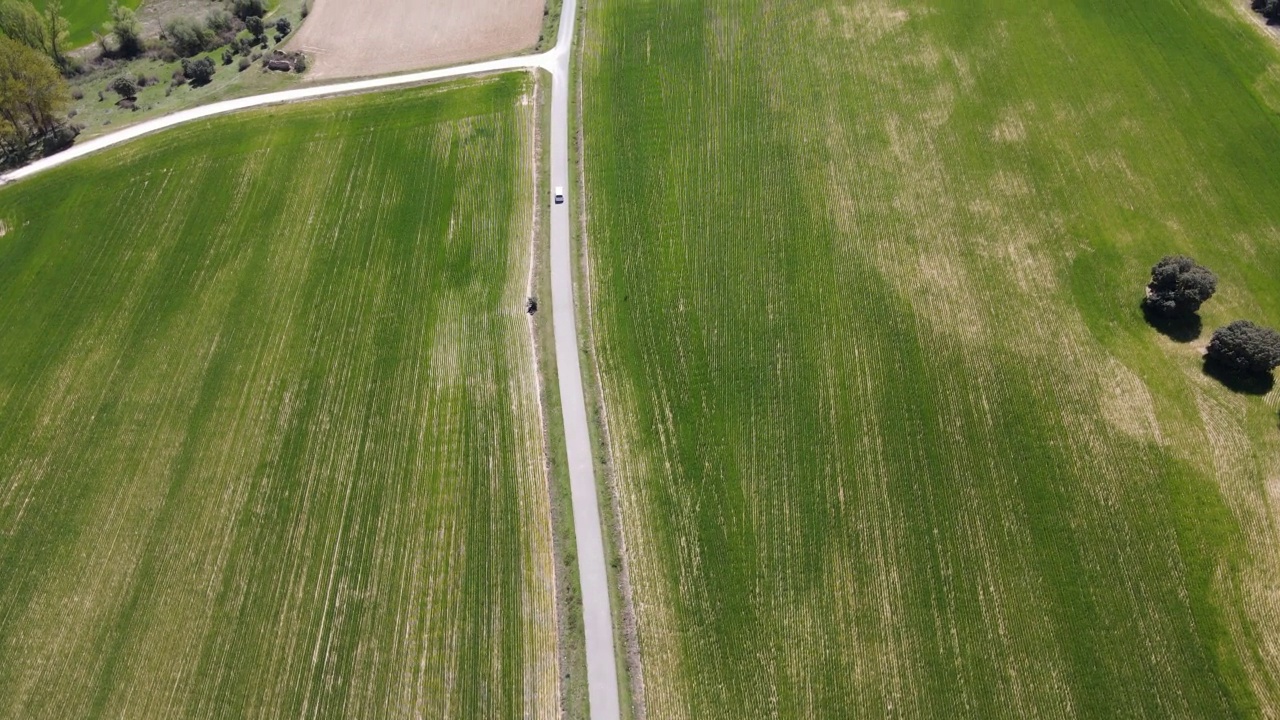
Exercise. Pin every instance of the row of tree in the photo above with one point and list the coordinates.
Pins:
(33, 88)
(1179, 286)
(33, 96)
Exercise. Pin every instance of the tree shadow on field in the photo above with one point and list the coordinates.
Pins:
(1178, 328)
(1238, 382)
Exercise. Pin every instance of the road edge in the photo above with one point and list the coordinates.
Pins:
(627, 652)
(571, 658)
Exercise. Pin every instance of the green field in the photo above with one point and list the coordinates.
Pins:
(85, 16)
(270, 441)
(889, 433)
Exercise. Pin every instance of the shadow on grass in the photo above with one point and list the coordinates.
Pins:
(1236, 381)
(1178, 328)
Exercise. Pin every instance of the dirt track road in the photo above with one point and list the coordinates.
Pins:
(602, 675)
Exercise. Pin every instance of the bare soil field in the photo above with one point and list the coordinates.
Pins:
(348, 39)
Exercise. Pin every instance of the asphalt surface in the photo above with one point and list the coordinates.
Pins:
(597, 620)
(602, 674)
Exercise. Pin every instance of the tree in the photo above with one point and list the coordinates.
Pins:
(45, 32)
(32, 93)
(1271, 11)
(1179, 286)
(283, 26)
(20, 21)
(1245, 348)
(55, 34)
(254, 25)
(218, 21)
(245, 9)
(199, 72)
(125, 29)
(187, 37)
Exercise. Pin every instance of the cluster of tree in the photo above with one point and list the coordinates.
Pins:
(33, 89)
(1269, 9)
(33, 92)
(1179, 286)
(45, 32)
(34, 63)
(185, 38)
(33, 95)
(189, 37)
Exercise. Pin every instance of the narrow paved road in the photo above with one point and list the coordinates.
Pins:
(602, 670)
(602, 675)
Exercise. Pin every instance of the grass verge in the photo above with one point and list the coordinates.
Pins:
(550, 26)
(571, 641)
(626, 645)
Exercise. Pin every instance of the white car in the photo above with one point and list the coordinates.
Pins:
(559, 195)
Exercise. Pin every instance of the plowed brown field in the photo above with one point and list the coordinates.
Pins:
(355, 39)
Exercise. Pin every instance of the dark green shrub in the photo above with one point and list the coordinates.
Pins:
(1179, 286)
(199, 72)
(125, 32)
(255, 27)
(245, 9)
(1245, 348)
(124, 87)
(187, 37)
(219, 21)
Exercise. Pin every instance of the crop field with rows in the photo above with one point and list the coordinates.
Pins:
(889, 433)
(269, 435)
